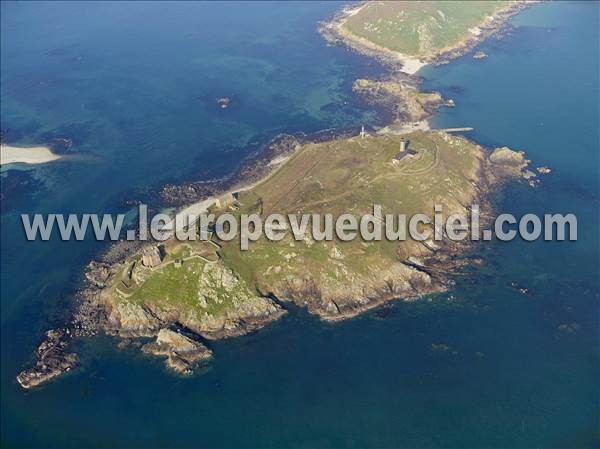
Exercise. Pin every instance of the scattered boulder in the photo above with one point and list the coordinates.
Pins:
(480, 55)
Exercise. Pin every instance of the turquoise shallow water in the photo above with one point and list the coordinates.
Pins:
(134, 84)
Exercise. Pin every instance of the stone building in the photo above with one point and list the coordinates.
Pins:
(151, 257)
(404, 152)
(403, 145)
(225, 200)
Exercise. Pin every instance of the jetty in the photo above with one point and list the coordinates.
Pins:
(454, 130)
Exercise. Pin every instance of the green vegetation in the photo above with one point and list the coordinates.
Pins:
(420, 29)
(350, 176)
(334, 177)
(190, 278)
(172, 285)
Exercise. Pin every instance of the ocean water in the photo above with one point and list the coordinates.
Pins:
(134, 86)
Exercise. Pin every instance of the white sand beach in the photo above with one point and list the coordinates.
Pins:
(26, 155)
(410, 66)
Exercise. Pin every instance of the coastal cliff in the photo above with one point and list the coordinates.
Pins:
(196, 292)
(220, 291)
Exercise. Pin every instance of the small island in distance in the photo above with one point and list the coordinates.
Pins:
(181, 295)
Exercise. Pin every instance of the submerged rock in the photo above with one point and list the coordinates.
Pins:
(569, 328)
(224, 102)
(520, 288)
(439, 347)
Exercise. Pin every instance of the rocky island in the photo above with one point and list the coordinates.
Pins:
(182, 294)
(178, 296)
(412, 34)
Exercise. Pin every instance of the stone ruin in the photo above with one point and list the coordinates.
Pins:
(225, 200)
(151, 257)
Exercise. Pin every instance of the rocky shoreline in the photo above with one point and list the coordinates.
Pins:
(51, 360)
(96, 312)
(334, 33)
(430, 271)
(185, 341)
(399, 94)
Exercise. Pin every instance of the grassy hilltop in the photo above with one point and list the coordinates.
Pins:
(336, 279)
(420, 29)
(219, 285)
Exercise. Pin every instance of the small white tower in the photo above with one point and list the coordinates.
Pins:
(363, 133)
(402, 145)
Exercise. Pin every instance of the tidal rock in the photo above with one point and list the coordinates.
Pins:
(519, 288)
(509, 163)
(544, 170)
(183, 354)
(569, 328)
(224, 102)
(506, 156)
(528, 174)
(52, 361)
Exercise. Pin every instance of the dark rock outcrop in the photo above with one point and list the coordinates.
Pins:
(52, 360)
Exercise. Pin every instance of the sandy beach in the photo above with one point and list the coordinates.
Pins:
(26, 155)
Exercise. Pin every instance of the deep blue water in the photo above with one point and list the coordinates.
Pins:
(134, 86)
